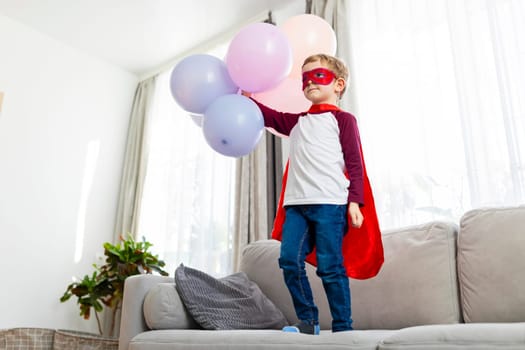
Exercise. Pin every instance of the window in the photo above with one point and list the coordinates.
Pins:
(439, 86)
(188, 198)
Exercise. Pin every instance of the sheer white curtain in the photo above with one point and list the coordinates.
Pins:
(135, 161)
(188, 200)
(440, 96)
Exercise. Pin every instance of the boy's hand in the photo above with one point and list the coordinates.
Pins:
(355, 214)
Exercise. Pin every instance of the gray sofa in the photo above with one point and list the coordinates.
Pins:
(443, 286)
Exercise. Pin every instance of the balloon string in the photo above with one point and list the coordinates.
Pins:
(269, 20)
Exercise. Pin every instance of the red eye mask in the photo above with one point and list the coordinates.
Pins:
(321, 76)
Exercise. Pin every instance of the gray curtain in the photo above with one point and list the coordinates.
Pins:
(335, 13)
(250, 201)
(258, 180)
(135, 161)
(274, 175)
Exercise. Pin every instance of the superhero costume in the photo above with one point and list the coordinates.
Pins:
(362, 247)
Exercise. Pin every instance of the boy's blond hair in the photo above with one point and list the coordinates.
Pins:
(333, 63)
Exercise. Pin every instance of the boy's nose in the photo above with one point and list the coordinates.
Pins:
(307, 83)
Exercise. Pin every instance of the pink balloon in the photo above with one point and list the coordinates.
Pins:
(259, 57)
(286, 97)
(308, 35)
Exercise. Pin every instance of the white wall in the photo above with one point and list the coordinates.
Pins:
(62, 135)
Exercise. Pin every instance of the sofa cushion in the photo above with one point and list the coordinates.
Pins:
(231, 302)
(417, 284)
(260, 263)
(479, 336)
(491, 265)
(163, 309)
(255, 339)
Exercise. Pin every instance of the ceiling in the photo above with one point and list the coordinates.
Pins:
(137, 35)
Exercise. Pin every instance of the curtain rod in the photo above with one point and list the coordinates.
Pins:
(207, 45)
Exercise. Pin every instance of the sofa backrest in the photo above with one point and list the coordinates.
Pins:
(260, 262)
(132, 321)
(491, 264)
(417, 284)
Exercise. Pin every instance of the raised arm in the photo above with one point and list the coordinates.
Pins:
(280, 121)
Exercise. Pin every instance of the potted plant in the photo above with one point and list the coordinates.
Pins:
(105, 286)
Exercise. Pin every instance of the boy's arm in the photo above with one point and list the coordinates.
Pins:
(281, 122)
(355, 214)
(351, 146)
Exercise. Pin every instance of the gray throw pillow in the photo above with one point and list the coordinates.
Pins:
(231, 302)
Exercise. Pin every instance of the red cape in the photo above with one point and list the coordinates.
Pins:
(362, 247)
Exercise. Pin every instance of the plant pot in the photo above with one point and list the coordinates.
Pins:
(74, 340)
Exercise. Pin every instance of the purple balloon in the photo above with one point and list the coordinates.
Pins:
(233, 125)
(198, 80)
(259, 57)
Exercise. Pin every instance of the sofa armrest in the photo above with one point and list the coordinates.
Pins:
(132, 318)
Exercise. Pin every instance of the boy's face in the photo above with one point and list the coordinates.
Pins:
(320, 84)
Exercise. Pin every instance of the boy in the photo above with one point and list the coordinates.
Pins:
(324, 148)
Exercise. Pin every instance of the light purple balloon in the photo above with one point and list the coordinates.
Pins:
(259, 57)
(233, 125)
(198, 80)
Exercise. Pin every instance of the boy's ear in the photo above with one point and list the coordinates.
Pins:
(340, 84)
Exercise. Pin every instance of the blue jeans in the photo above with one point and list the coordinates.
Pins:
(322, 226)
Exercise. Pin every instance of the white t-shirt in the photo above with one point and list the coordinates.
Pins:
(316, 169)
(325, 147)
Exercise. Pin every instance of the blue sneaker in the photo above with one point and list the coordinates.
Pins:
(303, 327)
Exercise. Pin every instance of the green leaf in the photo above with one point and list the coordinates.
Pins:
(105, 286)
